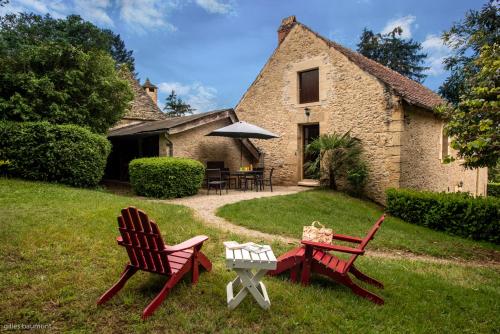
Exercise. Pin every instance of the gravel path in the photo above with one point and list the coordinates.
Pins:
(205, 207)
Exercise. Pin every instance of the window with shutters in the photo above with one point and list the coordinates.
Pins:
(309, 86)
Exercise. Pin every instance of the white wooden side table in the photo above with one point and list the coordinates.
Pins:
(244, 262)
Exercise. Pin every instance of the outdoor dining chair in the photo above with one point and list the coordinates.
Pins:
(214, 180)
(262, 180)
(226, 176)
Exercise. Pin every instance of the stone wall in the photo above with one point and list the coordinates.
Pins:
(350, 99)
(195, 145)
(421, 161)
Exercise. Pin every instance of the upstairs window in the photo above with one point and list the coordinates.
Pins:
(309, 86)
(445, 144)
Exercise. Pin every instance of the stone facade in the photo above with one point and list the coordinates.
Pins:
(352, 99)
(194, 144)
(421, 151)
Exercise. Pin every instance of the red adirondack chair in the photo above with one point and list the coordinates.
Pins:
(147, 251)
(314, 257)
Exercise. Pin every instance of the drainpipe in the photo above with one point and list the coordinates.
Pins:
(477, 182)
(170, 145)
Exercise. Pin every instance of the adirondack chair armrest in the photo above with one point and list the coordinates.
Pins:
(193, 242)
(347, 238)
(335, 248)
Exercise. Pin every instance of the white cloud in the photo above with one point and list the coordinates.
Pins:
(167, 87)
(56, 8)
(202, 98)
(436, 53)
(216, 6)
(94, 11)
(147, 14)
(406, 23)
(140, 15)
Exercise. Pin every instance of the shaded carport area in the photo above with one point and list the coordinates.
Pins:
(161, 138)
(127, 148)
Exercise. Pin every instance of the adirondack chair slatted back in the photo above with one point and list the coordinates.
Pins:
(143, 241)
(366, 240)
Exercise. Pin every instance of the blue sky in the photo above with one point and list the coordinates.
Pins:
(210, 51)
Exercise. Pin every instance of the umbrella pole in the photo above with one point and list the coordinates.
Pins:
(241, 153)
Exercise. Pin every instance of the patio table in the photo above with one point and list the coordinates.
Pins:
(242, 174)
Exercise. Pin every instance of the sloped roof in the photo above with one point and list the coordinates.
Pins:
(142, 106)
(410, 90)
(148, 84)
(161, 125)
(179, 124)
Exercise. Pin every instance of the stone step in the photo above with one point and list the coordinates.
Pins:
(308, 183)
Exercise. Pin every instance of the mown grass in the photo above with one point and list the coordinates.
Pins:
(286, 215)
(58, 255)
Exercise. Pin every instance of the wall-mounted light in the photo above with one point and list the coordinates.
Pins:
(307, 111)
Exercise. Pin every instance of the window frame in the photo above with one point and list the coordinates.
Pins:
(300, 90)
(444, 145)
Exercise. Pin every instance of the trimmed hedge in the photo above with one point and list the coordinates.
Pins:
(166, 177)
(456, 213)
(494, 189)
(58, 153)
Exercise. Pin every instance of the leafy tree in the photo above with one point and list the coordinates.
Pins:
(62, 84)
(403, 56)
(174, 106)
(494, 173)
(336, 155)
(21, 29)
(466, 38)
(474, 125)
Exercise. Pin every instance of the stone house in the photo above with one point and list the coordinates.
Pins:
(311, 85)
(145, 131)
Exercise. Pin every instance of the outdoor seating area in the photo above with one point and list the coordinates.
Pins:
(220, 178)
(147, 251)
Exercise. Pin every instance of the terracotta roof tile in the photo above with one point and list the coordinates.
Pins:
(142, 107)
(161, 125)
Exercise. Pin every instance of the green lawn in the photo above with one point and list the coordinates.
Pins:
(58, 254)
(286, 215)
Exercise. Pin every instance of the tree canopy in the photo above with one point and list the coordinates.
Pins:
(403, 56)
(21, 29)
(466, 38)
(62, 84)
(174, 106)
(474, 124)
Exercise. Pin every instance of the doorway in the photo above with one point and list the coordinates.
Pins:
(310, 132)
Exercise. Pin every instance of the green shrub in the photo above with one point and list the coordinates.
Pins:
(166, 177)
(456, 213)
(357, 178)
(494, 189)
(59, 153)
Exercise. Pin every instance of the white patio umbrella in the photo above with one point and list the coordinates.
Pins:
(243, 130)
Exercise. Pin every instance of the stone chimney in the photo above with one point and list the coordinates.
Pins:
(151, 90)
(286, 25)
